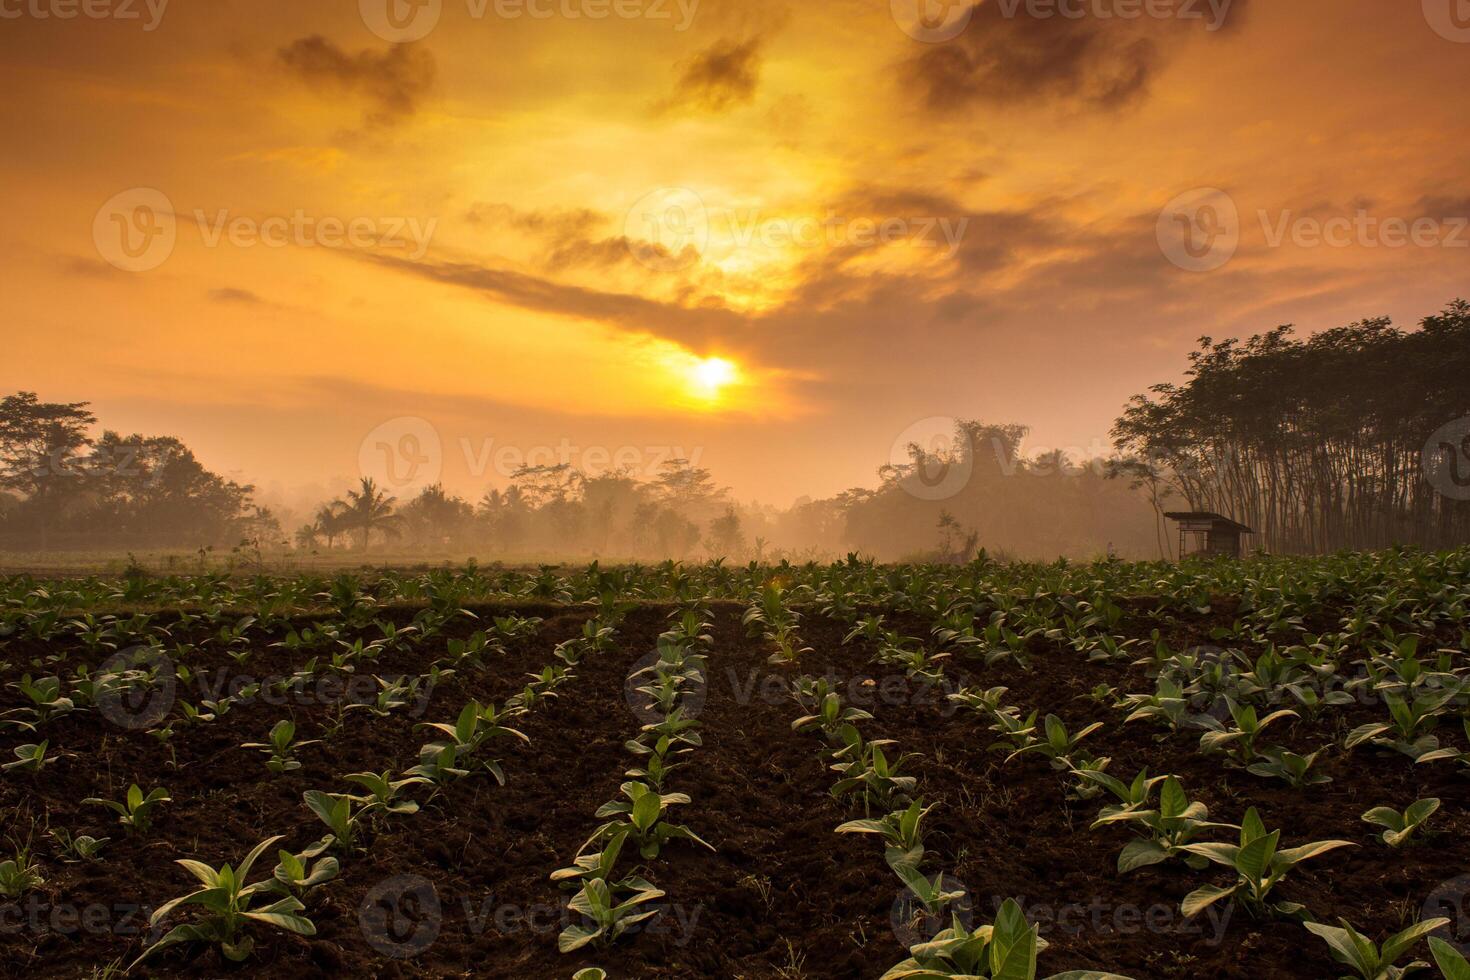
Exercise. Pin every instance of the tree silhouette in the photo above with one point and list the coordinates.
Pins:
(368, 509)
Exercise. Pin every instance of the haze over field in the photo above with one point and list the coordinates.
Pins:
(768, 235)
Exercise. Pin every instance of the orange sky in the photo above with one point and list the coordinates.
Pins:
(556, 218)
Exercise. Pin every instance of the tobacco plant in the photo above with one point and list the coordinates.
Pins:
(1258, 865)
(1006, 950)
(641, 818)
(612, 910)
(135, 810)
(229, 907)
(1399, 827)
(901, 832)
(281, 747)
(1368, 960)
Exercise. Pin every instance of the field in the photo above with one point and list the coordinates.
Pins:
(706, 771)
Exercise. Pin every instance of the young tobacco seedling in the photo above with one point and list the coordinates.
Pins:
(29, 758)
(1239, 740)
(44, 695)
(599, 902)
(19, 874)
(383, 793)
(829, 715)
(901, 832)
(1408, 730)
(1058, 745)
(1280, 763)
(932, 893)
(658, 764)
(1172, 826)
(227, 902)
(869, 770)
(79, 848)
(642, 812)
(1369, 960)
(1004, 951)
(599, 864)
(135, 811)
(1399, 827)
(336, 811)
(1258, 865)
(281, 747)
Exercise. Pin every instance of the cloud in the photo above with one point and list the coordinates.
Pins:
(394, 81)
(722, 76)
(1009, 57)
(1444, 208)
(243, 297)
(633, 313)
(571, 238)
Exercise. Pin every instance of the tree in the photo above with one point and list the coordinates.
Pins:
(1319, 444)
(306, 537)
(1143, 475)
(328, 521)
(39, 447)
(725, 536)
(435, 517)
(368, 509)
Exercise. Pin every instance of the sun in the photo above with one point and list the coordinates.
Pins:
(711, 374)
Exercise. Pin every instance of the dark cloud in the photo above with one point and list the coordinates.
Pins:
(394, 81)
(722, 76)
(1443, 208)
(243, 297)
(1007, 56)
(634, 313)
(572, 238)
(85, 268)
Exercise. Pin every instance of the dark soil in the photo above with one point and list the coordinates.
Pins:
(782, 895)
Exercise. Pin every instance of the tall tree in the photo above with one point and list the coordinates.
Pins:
(369, 509)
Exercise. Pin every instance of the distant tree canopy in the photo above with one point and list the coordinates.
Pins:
(70, 490)
(982, 491)
(1319, 444)
(1333, 442)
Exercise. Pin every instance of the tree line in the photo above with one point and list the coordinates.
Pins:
(1355, 438)
(61, 488)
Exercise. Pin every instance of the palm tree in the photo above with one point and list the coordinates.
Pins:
(329, 521)
(369, 509)
(306, 536)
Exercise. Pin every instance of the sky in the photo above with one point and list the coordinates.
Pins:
(440, 238)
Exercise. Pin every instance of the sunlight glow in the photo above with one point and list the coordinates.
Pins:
(710, 375)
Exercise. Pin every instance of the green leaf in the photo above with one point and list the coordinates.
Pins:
(1449, 960)
(1202, 898)
(1140, 853)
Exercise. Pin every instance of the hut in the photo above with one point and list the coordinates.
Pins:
(1209, 535)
